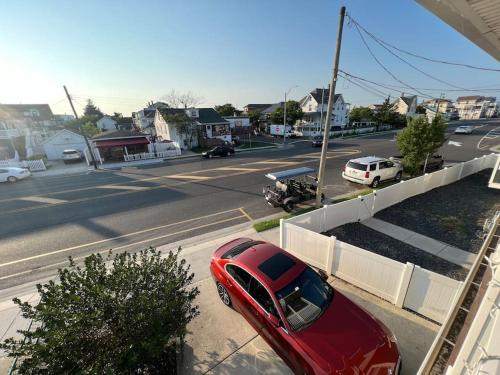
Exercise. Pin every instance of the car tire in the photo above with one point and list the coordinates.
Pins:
(210, 156)
(228, 153)
(375, 182)
(288, 207)
(223, 294)
(398, 176)
(11, 179)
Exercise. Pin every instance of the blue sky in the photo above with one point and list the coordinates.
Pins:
(124, 53)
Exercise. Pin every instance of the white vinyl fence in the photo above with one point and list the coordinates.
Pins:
(157, 150)
(404, 285)
(32, 165)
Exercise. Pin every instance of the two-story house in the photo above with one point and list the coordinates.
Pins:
(315, 105)
(476, 106)
(406, 105)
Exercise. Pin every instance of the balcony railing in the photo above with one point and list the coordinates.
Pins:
(10, 133)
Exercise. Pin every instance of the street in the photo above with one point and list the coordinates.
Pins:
(46, 219)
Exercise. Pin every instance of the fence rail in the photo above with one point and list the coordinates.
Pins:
(152, 155)
(32, 165)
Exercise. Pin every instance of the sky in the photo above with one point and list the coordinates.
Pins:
(125, 53)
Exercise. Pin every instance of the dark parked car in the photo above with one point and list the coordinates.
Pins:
(223, 150)
(435, 162)
(314, 328)
(317, 141)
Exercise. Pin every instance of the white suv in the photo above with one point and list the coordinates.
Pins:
(71, 155)
(371, 170)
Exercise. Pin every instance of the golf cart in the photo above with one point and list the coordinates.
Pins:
(291, 187)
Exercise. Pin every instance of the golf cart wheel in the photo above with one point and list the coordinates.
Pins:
(398, 176)
(223, 294)
(228, 154)
(11, 179)
(288, 207)
(375, 182)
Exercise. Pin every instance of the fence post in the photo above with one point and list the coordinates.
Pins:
(282, 232)
(331, 255)
(404, 284)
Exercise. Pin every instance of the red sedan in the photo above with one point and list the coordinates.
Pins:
(313, 328)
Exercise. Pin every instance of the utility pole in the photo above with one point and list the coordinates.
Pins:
(284, 122)
(322, 103)
(84, 136)
(331, 96)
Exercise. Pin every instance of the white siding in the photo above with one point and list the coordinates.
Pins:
(63, 140)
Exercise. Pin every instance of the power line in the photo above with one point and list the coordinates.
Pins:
(423, 57)
(376, 93)
(405, 61)
(384, 67)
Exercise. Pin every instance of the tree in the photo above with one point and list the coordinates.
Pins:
(119, 319)
(420, 109)
(182, 100)
(89, 129)
(253, 116)
(226, 110)
(91, 109)
(361, 113)
(183, 124)
(117, 115)
(293, 113)
(419, 140)
(387, 115)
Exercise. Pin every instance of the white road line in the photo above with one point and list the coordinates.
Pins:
(42, 200)
(186, 177)
(238, 169)
(487, 136)
(123, 187)
(117, 237)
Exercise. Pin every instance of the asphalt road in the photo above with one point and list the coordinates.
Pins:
(44, 220)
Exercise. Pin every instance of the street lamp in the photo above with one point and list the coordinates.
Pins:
(284, 113)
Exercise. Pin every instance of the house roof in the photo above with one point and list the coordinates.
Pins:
(171, 111)
(210, 116)
(317, 94)
(408, 99)
(256, 107)
(273, 107)
(60, 132)
(21, 111)
(470, 97)
(117, 134)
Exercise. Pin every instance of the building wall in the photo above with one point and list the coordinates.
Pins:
(54, 147)
(312, 112)
(106, 123)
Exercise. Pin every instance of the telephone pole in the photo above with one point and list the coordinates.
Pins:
(331, 97)
(84, 136)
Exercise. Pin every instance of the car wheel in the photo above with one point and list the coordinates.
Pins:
(223, 294)
(210, 156)
(11, 179)
(228, 153)
(398, 176)
(375, 182)
(288, 207)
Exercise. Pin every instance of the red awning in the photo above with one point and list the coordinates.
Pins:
(122, 142)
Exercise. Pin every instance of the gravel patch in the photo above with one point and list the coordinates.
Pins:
(453, 214)
(366, 238)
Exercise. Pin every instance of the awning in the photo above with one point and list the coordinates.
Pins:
(121, 142)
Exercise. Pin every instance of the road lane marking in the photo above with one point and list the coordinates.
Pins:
(488, 136)
(123, 187)
(117, 237)
(186, 177)
(276, 162)
(42, 200)
(238, 169)
(245, 213)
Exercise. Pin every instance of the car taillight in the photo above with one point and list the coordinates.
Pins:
(367, 174)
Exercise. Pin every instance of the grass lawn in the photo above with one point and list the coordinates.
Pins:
(245, 145)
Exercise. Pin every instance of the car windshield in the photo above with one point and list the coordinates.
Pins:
(305, 299)
(358, 166)
(70, 152)
(318, 138)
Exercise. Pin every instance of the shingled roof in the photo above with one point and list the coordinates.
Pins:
(317, 94)
(37, 112)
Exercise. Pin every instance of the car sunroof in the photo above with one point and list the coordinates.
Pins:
(276, 265)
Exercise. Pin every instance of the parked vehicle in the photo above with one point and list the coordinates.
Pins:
(372, 170)
(223, 150)
(317, 141)
(314, 328)
(12, 174)
(464, 130)
(71, 155)
(279, 130)
(434, 162)
(291, 187)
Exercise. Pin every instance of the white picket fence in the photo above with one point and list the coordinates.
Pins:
(404, 285)
(163, 150)
(32, 165)
(361, 208)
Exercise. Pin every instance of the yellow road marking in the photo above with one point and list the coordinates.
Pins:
(186, 177)
(42, 200)
(276, 162)
(246, 214)
(123, 187)
(238, 169)
(127, 235)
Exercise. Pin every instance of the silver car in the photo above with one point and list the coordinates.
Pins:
(71, 155)
(12, 174)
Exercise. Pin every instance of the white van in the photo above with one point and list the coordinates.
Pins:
(372, 170)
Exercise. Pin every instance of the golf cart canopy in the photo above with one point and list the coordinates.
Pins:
(283, 175)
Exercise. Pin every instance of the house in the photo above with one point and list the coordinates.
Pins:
(112, 145)
(476, 106)
(208, 127)
(63, 119)
(144, 119)
(124, 123)
(256, 108)
(406, 105)
(239, 125)
(444, 106)
(315, 105)
(64, 139)
(106, 123)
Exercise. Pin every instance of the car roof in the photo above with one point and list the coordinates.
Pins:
(367, 159)
(254, 258)
(12, 168)
(302, 171)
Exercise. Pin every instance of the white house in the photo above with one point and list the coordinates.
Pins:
(63, 140)
(315, 105)
(106, 123)
(239, 124)
(406, 105)
(476, 106)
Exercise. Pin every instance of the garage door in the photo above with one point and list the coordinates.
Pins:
(54, 151)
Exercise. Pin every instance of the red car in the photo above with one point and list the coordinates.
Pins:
(313, 328)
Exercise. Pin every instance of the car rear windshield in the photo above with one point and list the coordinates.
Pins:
(70, 152)
(358, 166)
(237, 250)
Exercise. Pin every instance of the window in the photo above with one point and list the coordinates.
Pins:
(276, 265)
(3, 171)
(237, 250)
(260, 294)
(373, 167)
(357, 166)
(385, 164)
(241, 276)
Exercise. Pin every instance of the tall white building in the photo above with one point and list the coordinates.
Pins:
(476, 106)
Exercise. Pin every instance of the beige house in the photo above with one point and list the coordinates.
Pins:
(476, 106)
(406, 105)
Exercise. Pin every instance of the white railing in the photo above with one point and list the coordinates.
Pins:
(404, 285)
(152, 155)
(32, 165)
(10, 133)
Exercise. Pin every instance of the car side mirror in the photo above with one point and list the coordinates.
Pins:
(323, 275)
(275, 321)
